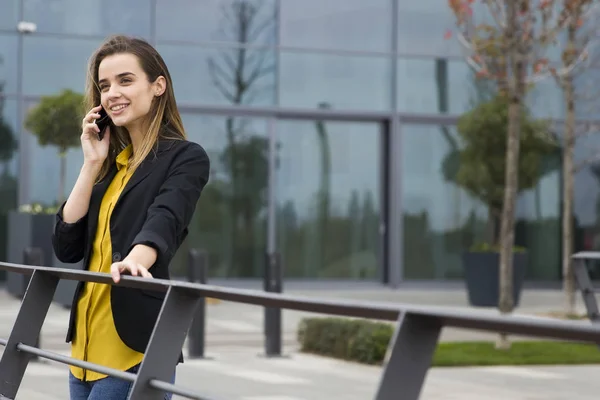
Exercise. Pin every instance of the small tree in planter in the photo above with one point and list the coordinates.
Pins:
(481, 172)
(56, 121)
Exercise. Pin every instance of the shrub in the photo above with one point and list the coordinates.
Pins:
(349, 339)
(367, 341)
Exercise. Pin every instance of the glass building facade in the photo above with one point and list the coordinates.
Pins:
(327, 123)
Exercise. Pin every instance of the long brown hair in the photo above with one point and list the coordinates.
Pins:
(164, 118)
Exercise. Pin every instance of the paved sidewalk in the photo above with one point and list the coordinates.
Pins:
(236, 370)
(235, 324)
(239, 374)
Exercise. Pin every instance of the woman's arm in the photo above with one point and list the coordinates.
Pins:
(78, 203)
(68, 238)
(172, 210)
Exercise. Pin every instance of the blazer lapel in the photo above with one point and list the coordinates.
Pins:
(144, 169)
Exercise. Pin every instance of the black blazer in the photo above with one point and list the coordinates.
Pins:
(154, 209)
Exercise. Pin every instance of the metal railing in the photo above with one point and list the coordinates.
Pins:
(582, 278)
(410, 353)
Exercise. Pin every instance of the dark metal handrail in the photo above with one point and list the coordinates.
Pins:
(412, 347)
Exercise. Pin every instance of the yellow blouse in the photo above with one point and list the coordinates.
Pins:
(96, 339)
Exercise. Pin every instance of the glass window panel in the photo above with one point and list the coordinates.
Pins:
(8, 63)
(421, 28)
(44, 169)
(587, 196)
(442, 220)
(449, 86)
(51, 64)
(8, 136)
(9, 16)
(350, 82)
(545, 100)
(231, 218)
(428, 85)
(328, 204)
(8, 170)
(208, 76)
(337, 24)
(90, 17)
(249, 21)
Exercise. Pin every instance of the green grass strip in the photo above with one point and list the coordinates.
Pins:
(461, 354)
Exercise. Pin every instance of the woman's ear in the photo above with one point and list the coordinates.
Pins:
(159, 86)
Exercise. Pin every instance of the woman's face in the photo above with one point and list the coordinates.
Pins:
(125, 92)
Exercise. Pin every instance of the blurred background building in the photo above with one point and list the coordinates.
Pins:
(329, 124)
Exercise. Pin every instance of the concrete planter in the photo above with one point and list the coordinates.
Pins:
(482, 280)
(27, 230)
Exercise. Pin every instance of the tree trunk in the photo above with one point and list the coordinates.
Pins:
(516, 90)
(505, 303)
(568, 177)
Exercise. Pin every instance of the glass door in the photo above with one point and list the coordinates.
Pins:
(327, 200)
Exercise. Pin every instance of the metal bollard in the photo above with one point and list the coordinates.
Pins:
(33, 256)
(197, 268)
(273, 282)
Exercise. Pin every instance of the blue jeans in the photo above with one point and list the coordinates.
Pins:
(108, 388)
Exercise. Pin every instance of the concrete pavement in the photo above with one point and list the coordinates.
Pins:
(234, 324)
(236, 370)
(239, 374)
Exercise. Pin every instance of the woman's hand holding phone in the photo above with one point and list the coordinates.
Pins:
(94, 154)
(95, 148)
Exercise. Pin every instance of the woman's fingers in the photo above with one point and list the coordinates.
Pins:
(130, 267)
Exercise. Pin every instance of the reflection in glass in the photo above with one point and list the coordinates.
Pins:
(442, 220)
(9, 16)
(447, 86)
(231, 216)
(586, 210)
(421, 28)
(328, 201)
(8, 63)
(90, 17)
(64, 64)
(222, 76)
(8, 169)
(337, 24)
(350, 82)
(241, 21)
(44, 169)
(434, 85)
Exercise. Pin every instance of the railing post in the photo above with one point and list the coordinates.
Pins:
(26, 330)
(197, 272)
(273, 282)
(582, 278)
(412, 348)
(33, 256)
(166, 342)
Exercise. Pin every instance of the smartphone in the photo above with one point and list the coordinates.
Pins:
(102, 122)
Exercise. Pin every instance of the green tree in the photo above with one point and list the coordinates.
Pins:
(8, 144)
(482, 162)
(509, 42)
(56, 121)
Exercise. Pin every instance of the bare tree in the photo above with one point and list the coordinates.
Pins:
(241, 75)
(509, 43)
(581, 34)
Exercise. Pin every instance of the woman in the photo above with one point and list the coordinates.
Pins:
(128, 211)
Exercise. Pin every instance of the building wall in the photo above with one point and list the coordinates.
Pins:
(322, 204)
